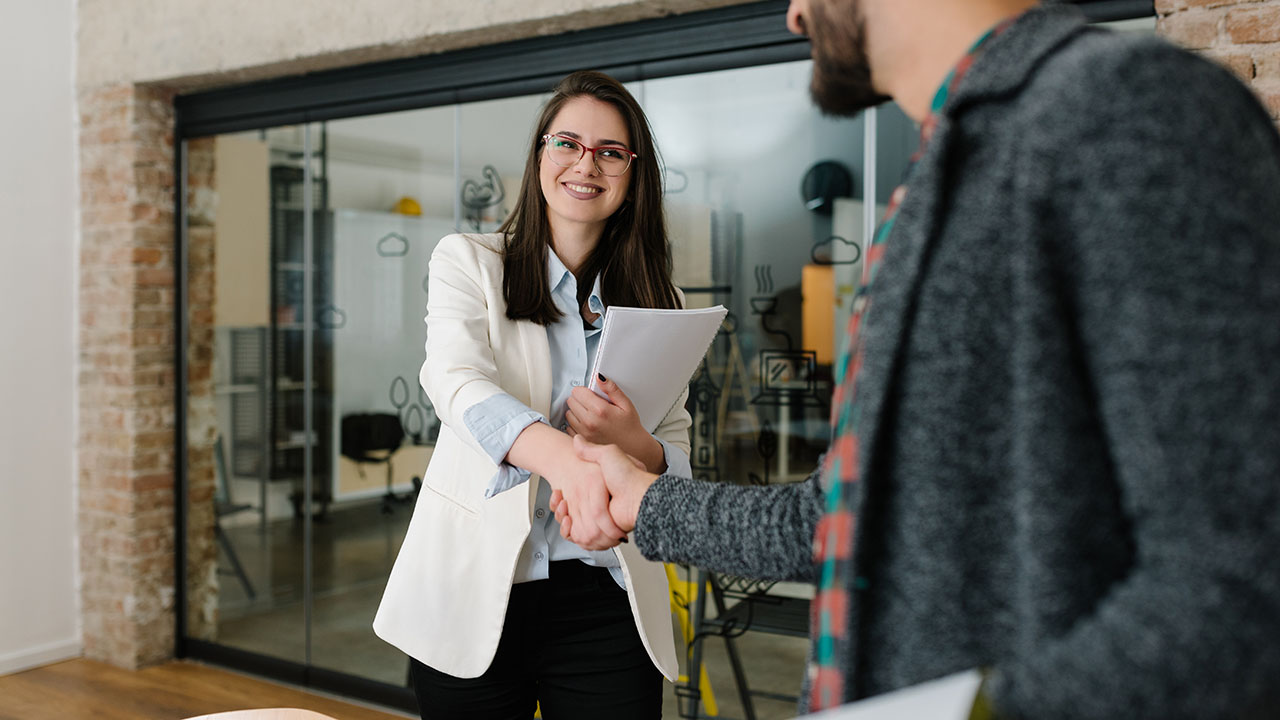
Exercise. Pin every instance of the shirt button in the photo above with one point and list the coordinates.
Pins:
(576, 383)
(540, 513)
(537, 556)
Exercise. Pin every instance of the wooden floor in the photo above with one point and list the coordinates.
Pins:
(86, 689)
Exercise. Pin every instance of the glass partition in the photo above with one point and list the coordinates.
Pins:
(765, 209)
(309, 250)
(391, 180)
(251, 228)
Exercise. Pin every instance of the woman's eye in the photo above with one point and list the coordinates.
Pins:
(566, 144)
(613, 153)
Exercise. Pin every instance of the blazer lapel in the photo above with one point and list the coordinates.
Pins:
(537, 362)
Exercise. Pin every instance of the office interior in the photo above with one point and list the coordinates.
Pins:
(305, 285)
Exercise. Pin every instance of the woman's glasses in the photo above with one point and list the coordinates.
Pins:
(566, 152)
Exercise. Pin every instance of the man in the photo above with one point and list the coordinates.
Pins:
(1055, 450)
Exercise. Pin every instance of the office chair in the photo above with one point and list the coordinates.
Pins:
(373, 438)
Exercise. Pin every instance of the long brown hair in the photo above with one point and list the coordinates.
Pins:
(633, 257)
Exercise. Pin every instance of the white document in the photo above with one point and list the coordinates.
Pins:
(652, 354)
(948, 698)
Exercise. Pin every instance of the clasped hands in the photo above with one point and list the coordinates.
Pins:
(597, 496)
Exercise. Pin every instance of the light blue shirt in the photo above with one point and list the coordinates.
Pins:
(497, 421)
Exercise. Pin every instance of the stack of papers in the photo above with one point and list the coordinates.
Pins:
(652, 354)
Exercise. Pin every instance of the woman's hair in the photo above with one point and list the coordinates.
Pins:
(633, 257)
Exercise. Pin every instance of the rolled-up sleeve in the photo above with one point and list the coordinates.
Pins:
(677, 460)
(495, 423)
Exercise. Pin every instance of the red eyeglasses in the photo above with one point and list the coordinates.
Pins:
(609, 160)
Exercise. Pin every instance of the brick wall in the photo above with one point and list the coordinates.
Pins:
(1243, 35)
(126, 382)
(202, 429)
(126, 376)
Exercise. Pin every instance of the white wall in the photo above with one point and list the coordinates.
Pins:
(39, 617)
(241, 40)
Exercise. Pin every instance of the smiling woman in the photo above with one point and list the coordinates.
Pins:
(498, 612)
(600, 223)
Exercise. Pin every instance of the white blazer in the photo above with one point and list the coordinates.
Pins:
(447, 595)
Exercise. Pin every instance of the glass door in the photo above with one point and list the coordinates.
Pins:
(391, 181)
(256, 203)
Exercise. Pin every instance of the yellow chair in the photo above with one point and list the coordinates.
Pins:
(683, 593)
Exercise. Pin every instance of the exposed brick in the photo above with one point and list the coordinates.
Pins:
(1254, 24)
(126, 378)
(147, 256)
(154, 276)
(1240, 64)
(1196, 29)
(1269, 93)
(1267, 63)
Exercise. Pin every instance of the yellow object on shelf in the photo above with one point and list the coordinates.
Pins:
(817, 310)
(407, 206)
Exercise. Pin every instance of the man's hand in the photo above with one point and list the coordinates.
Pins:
(626, 480)
(587, 519)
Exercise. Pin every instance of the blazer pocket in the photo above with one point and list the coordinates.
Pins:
(457, 473)
(450, 499)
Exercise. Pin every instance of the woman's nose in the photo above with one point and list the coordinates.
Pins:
(587, 163)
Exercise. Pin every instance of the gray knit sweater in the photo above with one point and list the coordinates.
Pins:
(1071, 398)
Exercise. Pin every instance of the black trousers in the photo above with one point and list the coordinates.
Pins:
(569, 644)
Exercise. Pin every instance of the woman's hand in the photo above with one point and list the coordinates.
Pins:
(550, 453)
(613, 421)
(625, 479)
(586, 518)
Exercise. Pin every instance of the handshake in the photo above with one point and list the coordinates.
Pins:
(596, 503)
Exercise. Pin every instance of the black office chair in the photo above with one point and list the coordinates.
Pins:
(373, 438)
(223, 506)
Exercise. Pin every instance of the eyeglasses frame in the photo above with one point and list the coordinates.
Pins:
(585, 148)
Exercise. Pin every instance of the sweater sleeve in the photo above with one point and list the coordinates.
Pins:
(763, 532)
(1161, 214)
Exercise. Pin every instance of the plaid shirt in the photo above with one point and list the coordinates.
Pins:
(833, 538)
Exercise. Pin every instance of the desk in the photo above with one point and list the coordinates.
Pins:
(408, 462)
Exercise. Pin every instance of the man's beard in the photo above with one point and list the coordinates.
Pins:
(841, 82)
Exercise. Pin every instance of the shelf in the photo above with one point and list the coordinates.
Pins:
(236, 389)
(295, 443)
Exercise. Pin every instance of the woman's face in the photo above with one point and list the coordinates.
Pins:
(580, 193)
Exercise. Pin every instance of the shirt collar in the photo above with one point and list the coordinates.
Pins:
(1011, 59)
(558, 275)
(595, 304)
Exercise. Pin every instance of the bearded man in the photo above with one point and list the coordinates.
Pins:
(1055, 450)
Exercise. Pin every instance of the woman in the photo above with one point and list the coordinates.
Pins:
(494, 607)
